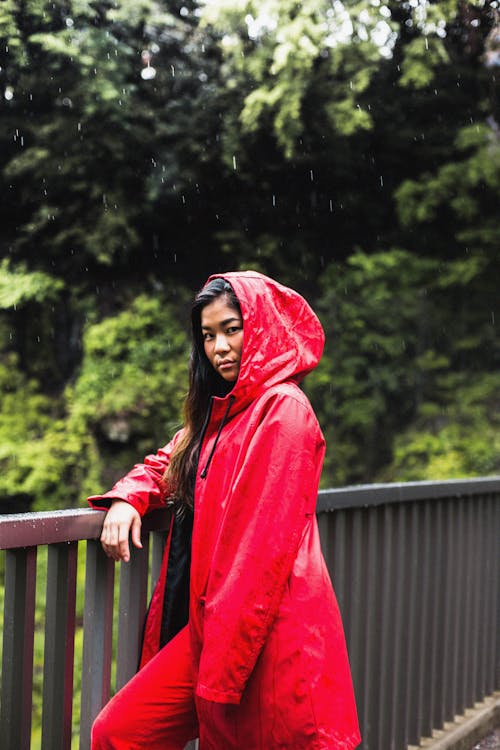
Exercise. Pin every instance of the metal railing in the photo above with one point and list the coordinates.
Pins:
(416, 571)
(415, 568)
(21, 536)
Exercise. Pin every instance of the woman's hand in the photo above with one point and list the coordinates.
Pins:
(121, 520)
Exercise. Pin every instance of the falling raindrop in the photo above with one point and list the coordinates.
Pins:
(148, 73)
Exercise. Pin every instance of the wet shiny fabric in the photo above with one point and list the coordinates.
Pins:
(156, 709)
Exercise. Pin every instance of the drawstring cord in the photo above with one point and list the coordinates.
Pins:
(214, 446)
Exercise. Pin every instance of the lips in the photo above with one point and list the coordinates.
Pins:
(225, 364)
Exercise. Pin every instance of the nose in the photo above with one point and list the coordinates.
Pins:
(221, 343)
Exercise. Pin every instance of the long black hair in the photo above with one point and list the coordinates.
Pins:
(204, 382)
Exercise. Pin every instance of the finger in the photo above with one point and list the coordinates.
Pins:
(136, 533)
(109, 540)
(123, 550)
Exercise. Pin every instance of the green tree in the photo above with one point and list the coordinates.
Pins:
(144, 145)
(410, 350)
(130, 389)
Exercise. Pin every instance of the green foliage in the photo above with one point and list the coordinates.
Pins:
(402, 333)
(134, 366)
(18, 286)
(273, 49)
(465, 186)
(132, 382)
(83, 132)
(458, 438)
(373, 311)
(126, 402)
(45, 460)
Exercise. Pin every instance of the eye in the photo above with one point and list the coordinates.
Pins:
(207, 336)
(233, 329)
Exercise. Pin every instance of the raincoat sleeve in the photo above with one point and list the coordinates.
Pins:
(143, 487)
(273, 498)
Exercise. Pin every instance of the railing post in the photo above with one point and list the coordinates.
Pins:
(132, 610)
(97, 639)
(59, 646)
(17, 661)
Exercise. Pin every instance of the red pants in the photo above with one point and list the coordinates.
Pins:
(156, 709)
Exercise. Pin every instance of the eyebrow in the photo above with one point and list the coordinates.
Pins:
(222, 323)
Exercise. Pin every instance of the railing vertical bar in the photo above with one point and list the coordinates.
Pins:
(491, 635)
(482, 583)
(357, 601)
(412, 712)
(442, 608)
(436, 638)
(485, 594)
(459, 675)
(476, 601)
(424, 652)
(371, 616)
(59, 646)
(337, 559)
(387, 630)
(457, 563)
(97, 638)
(132, 609)
(448, 600)
(495, 656)
(323, 527)
(158, 546)
(17, 653)
(468, 585)
(413, 605)
(487, 565)
(492, 651)
(401, 628)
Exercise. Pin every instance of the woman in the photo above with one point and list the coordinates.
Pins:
(254, 656)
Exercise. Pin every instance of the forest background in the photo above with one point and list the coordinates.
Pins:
(349, 149)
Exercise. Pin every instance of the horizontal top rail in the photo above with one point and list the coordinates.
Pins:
(365, 495)
(59, 526)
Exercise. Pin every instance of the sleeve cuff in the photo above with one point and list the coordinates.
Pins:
(104, 502)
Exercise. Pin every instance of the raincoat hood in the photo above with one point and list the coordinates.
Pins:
(282, 337)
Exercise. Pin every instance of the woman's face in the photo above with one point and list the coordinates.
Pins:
(222, 332)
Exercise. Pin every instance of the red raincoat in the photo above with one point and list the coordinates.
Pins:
(266, 634)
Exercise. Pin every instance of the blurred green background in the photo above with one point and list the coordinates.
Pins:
(350, 149)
